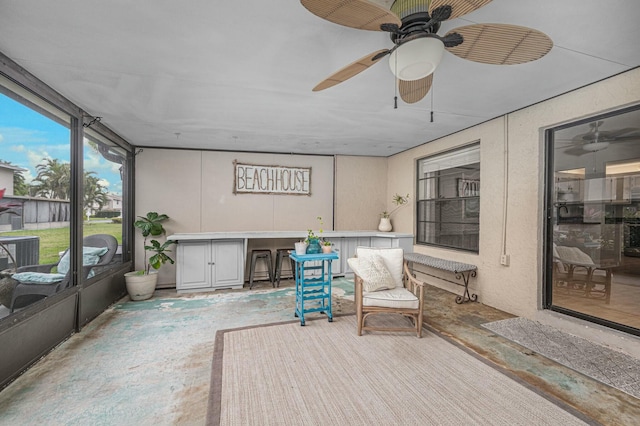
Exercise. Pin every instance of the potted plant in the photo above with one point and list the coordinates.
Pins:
(141, 284)
(326, 246)
(313, 242)
(385, 216)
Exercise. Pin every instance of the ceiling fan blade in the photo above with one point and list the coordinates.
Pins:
(412, 91)
(576, 150)
(350, 70)
(628, 138)
(458, 7)
(501, 44)
(360, 14)
(621, 134)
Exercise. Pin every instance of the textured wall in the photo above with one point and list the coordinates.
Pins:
(515, 288)
(361, 184)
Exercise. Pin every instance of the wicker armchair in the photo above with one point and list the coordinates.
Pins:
(384, 284)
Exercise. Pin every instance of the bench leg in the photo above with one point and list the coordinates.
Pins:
(466, 297)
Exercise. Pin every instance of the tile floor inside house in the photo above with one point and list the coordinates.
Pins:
(150, 362)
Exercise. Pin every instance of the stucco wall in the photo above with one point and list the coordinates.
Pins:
(519, 139)
(6, 180)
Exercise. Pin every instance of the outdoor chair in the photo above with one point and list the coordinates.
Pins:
(384, 285)
(577, 273)
(35, 282)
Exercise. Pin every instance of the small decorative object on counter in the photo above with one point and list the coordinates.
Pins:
(385, 216)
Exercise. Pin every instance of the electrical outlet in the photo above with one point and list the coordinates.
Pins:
(504, 259)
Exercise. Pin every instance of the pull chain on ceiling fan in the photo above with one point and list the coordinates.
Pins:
(418, 49)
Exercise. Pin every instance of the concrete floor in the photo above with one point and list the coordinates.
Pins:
(149, 362)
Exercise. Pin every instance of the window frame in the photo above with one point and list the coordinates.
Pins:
(420, 222)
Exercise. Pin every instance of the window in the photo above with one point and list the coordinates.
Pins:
(35, 178)
(448, 199)
(38, 163)
(105, 174)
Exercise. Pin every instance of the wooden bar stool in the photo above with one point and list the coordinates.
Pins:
(281, 254)
(257, 254)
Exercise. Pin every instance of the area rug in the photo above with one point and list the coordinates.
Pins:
(323, 373)
(606, 365)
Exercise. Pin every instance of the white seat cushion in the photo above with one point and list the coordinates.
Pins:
(398, 297)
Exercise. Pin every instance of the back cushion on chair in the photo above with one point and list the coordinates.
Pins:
(90, 256)
(393, 259)
(374, 273)
(573, 255)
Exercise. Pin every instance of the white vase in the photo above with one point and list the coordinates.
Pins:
(301, 248)
(141, 287)
(385, 224)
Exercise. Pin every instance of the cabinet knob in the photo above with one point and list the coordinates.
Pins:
(212, 263)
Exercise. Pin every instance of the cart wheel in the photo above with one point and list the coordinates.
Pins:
(301, 323)
(330, 319)
(295, 314)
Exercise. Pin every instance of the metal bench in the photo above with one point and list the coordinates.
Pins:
(461, 270)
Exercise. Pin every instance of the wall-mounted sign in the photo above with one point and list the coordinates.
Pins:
(256, 179)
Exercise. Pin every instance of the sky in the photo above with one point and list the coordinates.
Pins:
(27, 137)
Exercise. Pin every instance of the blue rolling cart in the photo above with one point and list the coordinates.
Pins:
(313, 283)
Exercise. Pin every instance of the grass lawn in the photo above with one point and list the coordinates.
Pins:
(54, 241)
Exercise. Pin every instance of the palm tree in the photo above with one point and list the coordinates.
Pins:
(20, 186)
(53, 179)
(94, 194)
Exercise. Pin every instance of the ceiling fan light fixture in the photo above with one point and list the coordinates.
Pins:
(595, 146)
(417, 58)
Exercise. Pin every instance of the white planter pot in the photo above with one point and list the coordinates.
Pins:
(385, 224)
(301, 248)
(141, 287)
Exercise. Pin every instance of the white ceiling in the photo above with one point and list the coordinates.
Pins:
(237, 75)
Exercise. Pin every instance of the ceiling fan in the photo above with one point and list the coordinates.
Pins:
(417, 48)
(596, 140)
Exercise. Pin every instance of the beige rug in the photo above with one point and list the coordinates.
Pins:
(324, 374)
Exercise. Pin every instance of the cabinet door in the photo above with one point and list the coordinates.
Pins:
(194, 265)
(405, 243)
(381, 242)
(228, 257)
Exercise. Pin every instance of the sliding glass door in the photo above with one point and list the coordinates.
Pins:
(593, 228)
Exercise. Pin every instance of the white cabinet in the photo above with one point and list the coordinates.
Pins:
(210, 264)
(406, 243)
(348, 249)
(215, 260)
